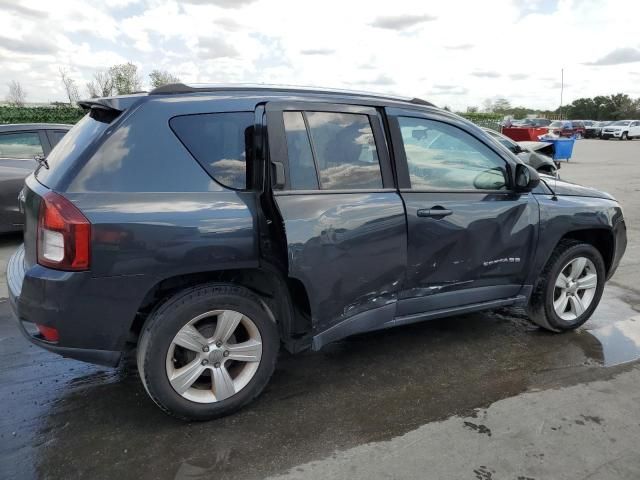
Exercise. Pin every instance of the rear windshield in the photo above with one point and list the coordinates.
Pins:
(66, 152)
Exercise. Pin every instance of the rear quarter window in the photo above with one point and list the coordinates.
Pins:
(219, 142)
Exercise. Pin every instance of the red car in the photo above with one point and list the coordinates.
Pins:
(567, 128)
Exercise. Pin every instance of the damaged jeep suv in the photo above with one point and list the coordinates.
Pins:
(208, 226)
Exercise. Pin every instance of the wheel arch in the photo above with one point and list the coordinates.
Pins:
(602, 239)
(285, 299)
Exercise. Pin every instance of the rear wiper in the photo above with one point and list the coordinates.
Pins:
(42, 162)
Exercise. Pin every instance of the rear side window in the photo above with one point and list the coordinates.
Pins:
(219, 142)
(20, 145)
(342, 148)
(303, 174)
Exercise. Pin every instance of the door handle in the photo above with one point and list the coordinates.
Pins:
(435, 212)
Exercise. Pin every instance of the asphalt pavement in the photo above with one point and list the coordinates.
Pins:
(481, 396)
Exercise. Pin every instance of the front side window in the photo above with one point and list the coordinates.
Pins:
(20, 145)
(341, 147)
(219, 142)
(443, 157)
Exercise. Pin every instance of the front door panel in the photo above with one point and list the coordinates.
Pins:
(481, 250)
(471, 238)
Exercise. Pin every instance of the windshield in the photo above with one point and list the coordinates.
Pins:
(557, 124)
(69, 149)
(622, 123)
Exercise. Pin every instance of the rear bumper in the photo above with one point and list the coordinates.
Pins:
(93, 316)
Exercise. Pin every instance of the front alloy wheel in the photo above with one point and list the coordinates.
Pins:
(575, 288)
(569, 287)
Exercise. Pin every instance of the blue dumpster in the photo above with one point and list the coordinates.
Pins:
(562, 148)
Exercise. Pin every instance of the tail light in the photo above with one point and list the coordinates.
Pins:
(64, 234)
(50, 334)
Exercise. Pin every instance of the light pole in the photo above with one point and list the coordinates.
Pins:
(561, 90)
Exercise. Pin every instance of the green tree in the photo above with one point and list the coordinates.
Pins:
(501, 105)
(157, 78)
(125, 78)
(101, 85)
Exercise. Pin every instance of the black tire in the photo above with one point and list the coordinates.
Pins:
(625, 136)
(541, 310)
(163, 324)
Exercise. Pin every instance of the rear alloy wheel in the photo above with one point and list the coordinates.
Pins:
(214, 356)
(569, 288)
(207, 351)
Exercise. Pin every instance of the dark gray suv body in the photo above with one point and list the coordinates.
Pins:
(211, 225)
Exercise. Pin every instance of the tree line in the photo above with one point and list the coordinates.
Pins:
(125, 78)
(122, 79)
(601, 107)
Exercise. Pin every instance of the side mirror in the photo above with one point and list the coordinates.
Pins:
(527, 178)
(492, 179)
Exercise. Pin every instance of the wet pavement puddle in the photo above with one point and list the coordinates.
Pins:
(616, 327)
(620, 342)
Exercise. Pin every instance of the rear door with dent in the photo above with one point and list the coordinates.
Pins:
(344, 220)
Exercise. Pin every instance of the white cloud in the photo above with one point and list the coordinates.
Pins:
(409, 47)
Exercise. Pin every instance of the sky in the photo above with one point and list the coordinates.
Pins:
(454, 53)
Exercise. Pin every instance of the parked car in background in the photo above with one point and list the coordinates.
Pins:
(567, 128)
(19, 145)
(592, 129)
(535, 122)
(536, 154)
(622, 129)
(211, 225)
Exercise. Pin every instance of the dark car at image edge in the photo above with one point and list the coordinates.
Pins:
(20, 144)
(207, 226)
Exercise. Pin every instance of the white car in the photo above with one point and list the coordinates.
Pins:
(622, 129)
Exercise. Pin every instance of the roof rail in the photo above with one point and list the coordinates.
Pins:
(178, 88)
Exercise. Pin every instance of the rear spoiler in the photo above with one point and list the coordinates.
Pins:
(100, 110)
(106, 109)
